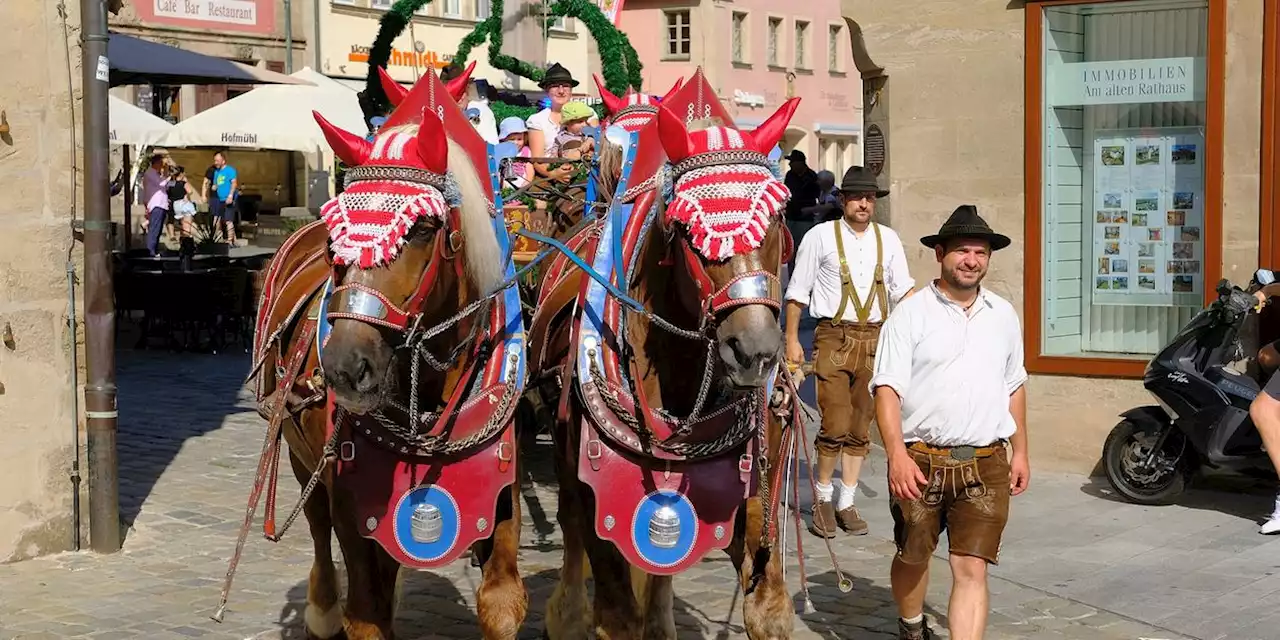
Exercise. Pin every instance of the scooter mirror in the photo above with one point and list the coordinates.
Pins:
(1264, 277)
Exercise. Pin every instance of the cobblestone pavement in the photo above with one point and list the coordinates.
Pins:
(189, 438)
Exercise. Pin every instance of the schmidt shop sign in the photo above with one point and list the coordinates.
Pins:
(1127, 81)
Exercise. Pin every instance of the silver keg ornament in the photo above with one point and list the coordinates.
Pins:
(427, 524)
(664, 527)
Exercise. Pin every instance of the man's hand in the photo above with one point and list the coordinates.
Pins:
(795, 352)
(906, 478)
(1019, 473)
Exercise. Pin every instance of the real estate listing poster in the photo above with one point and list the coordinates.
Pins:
(1148, 218)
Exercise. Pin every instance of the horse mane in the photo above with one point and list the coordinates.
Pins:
(485, 263)
(610, 169)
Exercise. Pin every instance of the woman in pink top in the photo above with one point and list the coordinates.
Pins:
(154, 183)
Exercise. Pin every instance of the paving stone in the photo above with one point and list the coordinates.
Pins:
(188, 443)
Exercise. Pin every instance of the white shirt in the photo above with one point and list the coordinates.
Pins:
(816, 280)
(487, 127)
(954, 372)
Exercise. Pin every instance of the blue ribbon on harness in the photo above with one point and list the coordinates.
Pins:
(582, 264)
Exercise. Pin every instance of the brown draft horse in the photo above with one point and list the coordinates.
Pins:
(628, 602)
(456, 259)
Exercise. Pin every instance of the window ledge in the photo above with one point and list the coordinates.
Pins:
(837, 73)
(1089, 366)
(778, 68)
(742, 65)
(676, 58)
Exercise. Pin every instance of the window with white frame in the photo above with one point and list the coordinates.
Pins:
(833, 47)
(802, 49)
(679, 35)
(346, 2)
(774, 38)
(739, 31)
(484, 8)
(451, 8)
(380, 4)
(1123, 211)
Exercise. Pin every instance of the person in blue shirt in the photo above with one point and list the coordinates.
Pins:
(223, 190)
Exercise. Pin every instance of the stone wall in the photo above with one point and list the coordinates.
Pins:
(955, 136)
(40, 194)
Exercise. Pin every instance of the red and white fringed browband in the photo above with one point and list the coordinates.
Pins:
(369, 222)
(727, 208)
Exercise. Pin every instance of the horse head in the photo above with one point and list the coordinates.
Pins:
(634, 110)
(410, 242)
(724, 216)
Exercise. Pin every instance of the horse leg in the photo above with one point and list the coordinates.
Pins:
(371, 577)
(323, 616)
(656, 598)
(568, 611)
(767, 611)
(501, 601)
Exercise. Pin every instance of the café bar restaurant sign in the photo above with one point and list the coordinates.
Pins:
(1126, 81)
(252, 16)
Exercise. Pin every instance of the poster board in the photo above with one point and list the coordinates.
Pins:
(1147, 217)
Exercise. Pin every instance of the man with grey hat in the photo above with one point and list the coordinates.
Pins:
(949, 396)
(849, 272)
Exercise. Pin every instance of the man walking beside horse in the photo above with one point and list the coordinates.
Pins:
(949, 394)
(847, 271)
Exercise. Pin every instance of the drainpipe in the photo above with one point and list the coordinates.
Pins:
(315, 35)
(100, 314)
(75, 407)
(288, 37)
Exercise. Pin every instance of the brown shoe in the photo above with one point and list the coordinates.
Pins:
(917, 631)
(851, 521)
(823, 523)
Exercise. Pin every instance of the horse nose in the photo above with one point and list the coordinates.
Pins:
(358, 374)
(755, 352)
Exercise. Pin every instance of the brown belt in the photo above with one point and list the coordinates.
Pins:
(957, 453)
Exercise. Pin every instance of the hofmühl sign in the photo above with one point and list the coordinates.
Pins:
(1127, 81)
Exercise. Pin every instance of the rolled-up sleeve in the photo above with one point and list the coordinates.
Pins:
(899, 277)
(800, 286)
(1015, 372)
(894, 352)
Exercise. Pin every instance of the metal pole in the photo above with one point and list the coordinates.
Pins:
(75, 406)
(100, 315)
(288, 37)
(315, 36)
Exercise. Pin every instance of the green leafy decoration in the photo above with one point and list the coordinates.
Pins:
(390, 27)
(620, 63)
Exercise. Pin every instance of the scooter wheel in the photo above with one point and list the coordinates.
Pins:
(1124, 459)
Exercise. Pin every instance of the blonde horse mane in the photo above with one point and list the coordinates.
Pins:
(485, 263)
(484, 257)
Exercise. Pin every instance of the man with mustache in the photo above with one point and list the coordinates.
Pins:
(847, 271)
(949, 395)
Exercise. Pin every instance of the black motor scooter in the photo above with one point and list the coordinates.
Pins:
(1202, 419)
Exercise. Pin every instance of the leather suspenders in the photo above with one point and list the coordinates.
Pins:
(850, 293)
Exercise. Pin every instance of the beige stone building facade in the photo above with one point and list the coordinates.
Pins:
(1109, 141)
(39, 149)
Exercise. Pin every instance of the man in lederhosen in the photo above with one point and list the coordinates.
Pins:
(949, 389)
(848, 272)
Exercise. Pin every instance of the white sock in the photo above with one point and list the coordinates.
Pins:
(915, 620)
(1275, 513)
(825, 491)
(845, 500)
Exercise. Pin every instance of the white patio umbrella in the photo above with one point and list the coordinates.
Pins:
(133, 126)
(272, 117)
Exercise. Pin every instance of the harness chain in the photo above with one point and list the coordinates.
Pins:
(326, 457)
(747, 419)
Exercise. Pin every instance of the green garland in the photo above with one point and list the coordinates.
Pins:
(619, 61)
(390, 27)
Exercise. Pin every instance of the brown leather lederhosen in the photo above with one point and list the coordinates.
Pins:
(844, 355)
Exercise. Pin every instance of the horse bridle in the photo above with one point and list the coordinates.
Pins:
(757, 286)
(355, 301)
